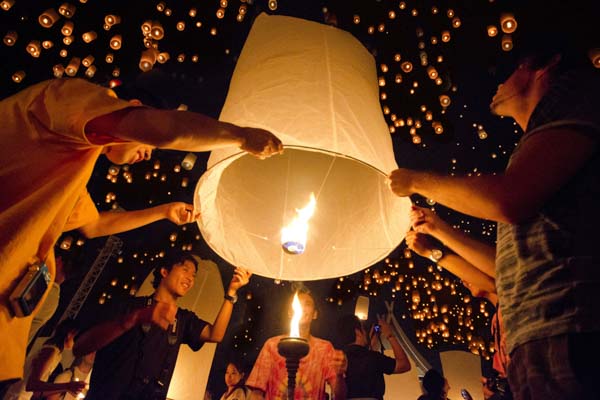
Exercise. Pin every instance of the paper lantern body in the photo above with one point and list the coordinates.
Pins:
(315, 87)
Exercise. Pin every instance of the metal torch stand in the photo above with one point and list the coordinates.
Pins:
(293, 350)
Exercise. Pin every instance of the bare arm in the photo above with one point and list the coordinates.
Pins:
(112, 222)
(420, 244)
(402, 361)
(160, 313)
(59, 395)
(182, 130)
(544, 163)
(216, 331)
(478, 254)
(41, 364)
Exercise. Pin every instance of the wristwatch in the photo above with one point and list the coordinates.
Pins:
(436, 255)
(233, 299)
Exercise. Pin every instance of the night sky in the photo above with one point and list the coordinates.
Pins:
(470, 65)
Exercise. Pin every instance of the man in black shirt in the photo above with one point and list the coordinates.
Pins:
(138, 349)
(364, 376)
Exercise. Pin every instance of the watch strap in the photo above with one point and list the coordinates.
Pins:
(232, 299)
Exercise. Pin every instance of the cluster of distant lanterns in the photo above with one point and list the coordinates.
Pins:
(152, 33)
(436, 322)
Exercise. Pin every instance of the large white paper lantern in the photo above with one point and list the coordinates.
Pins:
(315, 87)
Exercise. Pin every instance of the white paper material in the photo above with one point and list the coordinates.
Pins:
(315, 87)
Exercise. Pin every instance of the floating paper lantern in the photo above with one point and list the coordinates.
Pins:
(116, 42)
(73, 66)
(87, 61)
(7, 4)
(361, 310)
(67, 29)
(189, 161)
(147, 60)
(10, 38)
(90, 36)
(34, 47)
(507, 43)
(48, 18)
(66, 10)
(508, 23)
(315, 87)
(18, 76)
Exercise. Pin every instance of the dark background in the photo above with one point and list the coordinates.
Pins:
(473, 142)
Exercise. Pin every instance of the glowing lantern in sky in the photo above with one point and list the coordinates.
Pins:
(316, 88)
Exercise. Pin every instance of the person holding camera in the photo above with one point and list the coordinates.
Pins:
(137, 350)
(53, 133)
(364, 375)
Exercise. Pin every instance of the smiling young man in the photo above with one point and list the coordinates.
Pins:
(137, 350)
(52, 135)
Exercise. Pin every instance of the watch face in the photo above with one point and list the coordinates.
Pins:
(436, 255)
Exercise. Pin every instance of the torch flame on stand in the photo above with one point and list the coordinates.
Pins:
(295, 323)
(293, 236)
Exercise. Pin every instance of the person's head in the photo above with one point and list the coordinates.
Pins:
(234, 374)
(352, 330)
(128, 152)
(544, 52)
(177, 273)
(137, 93)
(64, 334)
(436, 385)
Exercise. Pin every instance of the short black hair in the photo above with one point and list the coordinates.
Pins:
(549, 28)
(433, 383)
(347, 326)
(172, 258)
(61, 332)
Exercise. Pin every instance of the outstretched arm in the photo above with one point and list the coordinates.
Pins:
(159, 313)
(216, 331)
(544, 163)
(112, 222)
(402, 361)
(420, 244)
(182, 130)
(41, 364)
(475, 252)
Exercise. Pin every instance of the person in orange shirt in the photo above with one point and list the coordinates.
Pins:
(52, 134)
(323, 364)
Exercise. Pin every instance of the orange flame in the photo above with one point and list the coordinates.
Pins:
(295, 323)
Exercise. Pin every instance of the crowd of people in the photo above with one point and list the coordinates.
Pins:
(542, 273)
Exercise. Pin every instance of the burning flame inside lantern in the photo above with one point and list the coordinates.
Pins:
(293, 236)
(295, 323)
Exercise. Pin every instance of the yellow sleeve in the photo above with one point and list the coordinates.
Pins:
(83, 213)
(65, 106)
